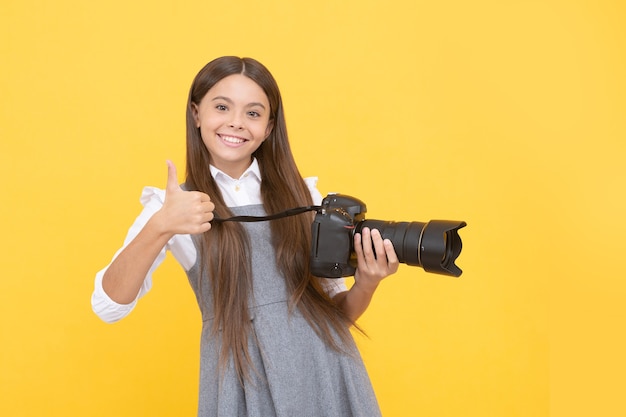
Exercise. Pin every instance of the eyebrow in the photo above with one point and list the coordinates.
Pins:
(253, 104)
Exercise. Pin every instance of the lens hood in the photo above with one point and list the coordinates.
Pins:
(440, 245)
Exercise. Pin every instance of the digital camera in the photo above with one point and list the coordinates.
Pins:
(434, 246)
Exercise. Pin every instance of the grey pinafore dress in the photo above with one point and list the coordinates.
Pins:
(297, 374)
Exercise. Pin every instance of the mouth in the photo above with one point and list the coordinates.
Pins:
(233, 140)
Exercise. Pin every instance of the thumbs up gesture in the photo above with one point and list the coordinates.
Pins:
(184, 212)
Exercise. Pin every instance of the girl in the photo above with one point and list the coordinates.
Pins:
(275, 340)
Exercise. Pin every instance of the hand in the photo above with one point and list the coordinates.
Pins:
(372, 268)
(184, 212)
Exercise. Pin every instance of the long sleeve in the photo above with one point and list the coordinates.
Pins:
(181, 247)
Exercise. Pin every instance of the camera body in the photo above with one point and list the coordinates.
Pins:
(434, 246)
(332, 237)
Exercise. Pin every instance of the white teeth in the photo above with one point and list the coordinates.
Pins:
(231, 139)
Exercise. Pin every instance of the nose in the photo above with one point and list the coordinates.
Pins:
(235, 122)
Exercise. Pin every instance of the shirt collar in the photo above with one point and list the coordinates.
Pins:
(252, 169)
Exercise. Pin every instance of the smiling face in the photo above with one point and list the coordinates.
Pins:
(234, 120)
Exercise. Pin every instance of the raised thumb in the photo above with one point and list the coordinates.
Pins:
(172, 178)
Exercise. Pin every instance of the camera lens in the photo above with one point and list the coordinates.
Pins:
(433, 246)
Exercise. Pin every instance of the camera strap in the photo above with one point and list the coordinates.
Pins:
(286, 213)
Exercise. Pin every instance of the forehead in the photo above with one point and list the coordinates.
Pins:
(239, 89)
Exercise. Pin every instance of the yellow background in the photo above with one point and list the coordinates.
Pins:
(506, 114)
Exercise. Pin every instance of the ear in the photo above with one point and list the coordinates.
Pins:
(194, 112)
(268, 130)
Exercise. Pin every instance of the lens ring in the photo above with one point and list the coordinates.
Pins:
(419, 246)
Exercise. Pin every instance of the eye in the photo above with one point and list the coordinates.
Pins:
(221, 107)
(253, 114)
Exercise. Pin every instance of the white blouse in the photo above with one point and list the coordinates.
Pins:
(236, 192)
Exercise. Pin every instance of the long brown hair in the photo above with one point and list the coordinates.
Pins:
(225, 246)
